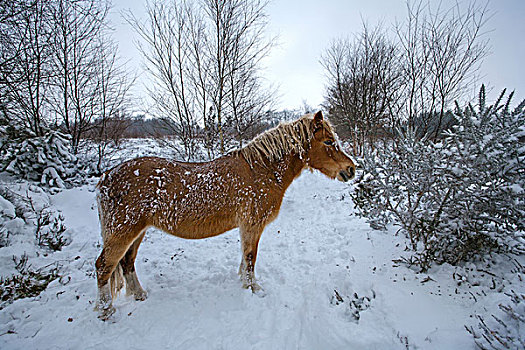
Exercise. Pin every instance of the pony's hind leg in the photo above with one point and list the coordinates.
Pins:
(106, 264)
(249, 242)
(133, 286)
(115, 246)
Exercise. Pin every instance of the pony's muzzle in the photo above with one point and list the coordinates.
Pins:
(347, 174)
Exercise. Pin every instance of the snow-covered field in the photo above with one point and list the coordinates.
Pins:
(329, 283)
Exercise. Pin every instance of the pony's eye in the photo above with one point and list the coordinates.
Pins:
(329, 142)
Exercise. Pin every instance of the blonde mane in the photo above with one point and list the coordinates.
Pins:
(285, 138)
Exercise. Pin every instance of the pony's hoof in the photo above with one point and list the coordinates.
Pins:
(258, 290)
(141, 296)
(106, 313)
(254, 287)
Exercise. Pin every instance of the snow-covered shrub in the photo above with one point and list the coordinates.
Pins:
(402, 184)
(9, 220)
(4, 237)
(396, 182)
(33, 214)
(7, 213)
(485, 157)
(505, 331)
(45, 159)
(28, 219)
(27, 283)
(50, 229)
(458, 198)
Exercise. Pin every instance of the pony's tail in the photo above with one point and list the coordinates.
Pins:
(116, 281)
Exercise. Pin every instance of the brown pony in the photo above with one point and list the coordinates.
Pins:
(242, 189)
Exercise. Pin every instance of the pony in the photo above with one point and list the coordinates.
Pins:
(243, 188)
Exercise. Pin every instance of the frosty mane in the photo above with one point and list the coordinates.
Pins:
(285, 138)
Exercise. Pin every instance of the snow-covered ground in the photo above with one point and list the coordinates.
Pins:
(329, 283)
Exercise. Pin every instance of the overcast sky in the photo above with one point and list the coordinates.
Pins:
(305, 28)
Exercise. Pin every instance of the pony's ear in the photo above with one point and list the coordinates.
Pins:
(318, 117)
(318, 121)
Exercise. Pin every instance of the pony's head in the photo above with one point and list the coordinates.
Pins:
(325, 153)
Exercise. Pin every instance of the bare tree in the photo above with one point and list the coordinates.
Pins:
(112, 99)
(442, 50)
(415, 58)
(335, 62)
(10, 50)
(25, 65)
(201, 76)
(201, 54)
(167, 52)
(236, 47)
(248, 100)
(78, 25)
(58, 61)
(250, 104)
(376, 84)
(221, 13)
(363, 79)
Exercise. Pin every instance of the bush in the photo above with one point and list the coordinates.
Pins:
(27, 283)
(456, 199)
(28, 219)
(45, 159)
(50, 229)
(4, 237)
(33, 214)
(7, 212)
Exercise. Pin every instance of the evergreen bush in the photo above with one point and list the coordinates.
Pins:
(45, 159)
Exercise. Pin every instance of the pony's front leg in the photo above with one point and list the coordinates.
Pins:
(250, 236)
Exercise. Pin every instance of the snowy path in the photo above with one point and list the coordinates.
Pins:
(196, 301)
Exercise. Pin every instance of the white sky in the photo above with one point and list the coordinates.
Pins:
(305, 28)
